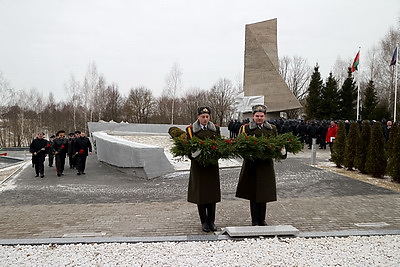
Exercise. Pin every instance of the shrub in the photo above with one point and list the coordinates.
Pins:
(376, 157)
(393, 168)
(392, 139)
(362, 148)
(339, 145)
(352, 141)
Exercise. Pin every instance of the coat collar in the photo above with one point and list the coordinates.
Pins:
(197, 127)
(253, 125)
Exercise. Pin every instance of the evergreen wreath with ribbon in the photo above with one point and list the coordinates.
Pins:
(209, 151)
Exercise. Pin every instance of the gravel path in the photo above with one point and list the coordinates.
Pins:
(350, 251)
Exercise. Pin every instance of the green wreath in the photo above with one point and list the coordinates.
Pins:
(209, 151)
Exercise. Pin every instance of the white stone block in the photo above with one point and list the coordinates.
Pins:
(247, 231)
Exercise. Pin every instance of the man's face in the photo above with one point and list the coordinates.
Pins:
(204, 118)
(332, 123)
(389, 123)
(82, 134)
(40, 135)
(61, 135)
(259, 117)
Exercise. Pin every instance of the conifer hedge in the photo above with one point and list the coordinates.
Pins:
(376, 158)
(393, 145)
(362, 148)
(352, 142)
(339, 145)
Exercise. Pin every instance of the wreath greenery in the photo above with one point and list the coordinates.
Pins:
(208, 151)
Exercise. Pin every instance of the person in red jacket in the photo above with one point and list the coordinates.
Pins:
(331, 135)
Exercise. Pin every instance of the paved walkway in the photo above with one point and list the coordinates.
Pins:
(108, 203)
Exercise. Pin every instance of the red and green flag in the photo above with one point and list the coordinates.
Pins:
(356, 61)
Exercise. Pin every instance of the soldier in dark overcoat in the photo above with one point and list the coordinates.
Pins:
(60, 148)
(50, 150)
(204, 183)
(38, 148)
(82, 148)
(257, 177)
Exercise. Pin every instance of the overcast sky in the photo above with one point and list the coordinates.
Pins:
(136, 42)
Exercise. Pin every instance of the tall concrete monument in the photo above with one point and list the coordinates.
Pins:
(261, 69)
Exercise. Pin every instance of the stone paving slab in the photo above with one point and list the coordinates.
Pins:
(111, 204)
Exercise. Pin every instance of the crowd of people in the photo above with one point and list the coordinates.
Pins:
(324, 131)
(77, 147)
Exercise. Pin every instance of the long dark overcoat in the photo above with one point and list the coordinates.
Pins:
(204, 183)
(257, 178)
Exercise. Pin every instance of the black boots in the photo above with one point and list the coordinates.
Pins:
(258, 212)
(207, 217)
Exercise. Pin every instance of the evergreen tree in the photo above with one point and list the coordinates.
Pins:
(362, 148)
(394, 162)
(376, 157)
(339, 145)
(370, 101)
(330, 98)
(348, 98)
(313, 100)
(390, 144)
(352, 142)
(382, 110)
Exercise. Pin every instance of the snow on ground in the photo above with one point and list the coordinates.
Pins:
(179, 163)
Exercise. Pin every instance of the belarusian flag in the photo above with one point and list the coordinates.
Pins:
(356, 61)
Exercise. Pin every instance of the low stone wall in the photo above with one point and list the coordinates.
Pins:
(141, 160)
(138, 128)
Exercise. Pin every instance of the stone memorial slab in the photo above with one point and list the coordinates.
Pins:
(248, 231)
(372, 224)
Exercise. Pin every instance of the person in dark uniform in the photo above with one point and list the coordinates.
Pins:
(82, 148)
(204, 182)
(71, 152)
(39, 149)
(50, 151)
(257, 177)
(60, 148)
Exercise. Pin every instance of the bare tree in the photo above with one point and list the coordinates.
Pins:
(31, 107)
(221, 99)
(173, 85)
(138, 106)
(90, 90)
(99, 96)
(296, 73)
(162, 114)
(340, 69)
(74, 93)
(384, 76)
(112, 103)
(7, 94)
(194, 98)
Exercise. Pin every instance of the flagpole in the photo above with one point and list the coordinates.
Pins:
(358, 96)
(358, 88)
(395, 87)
